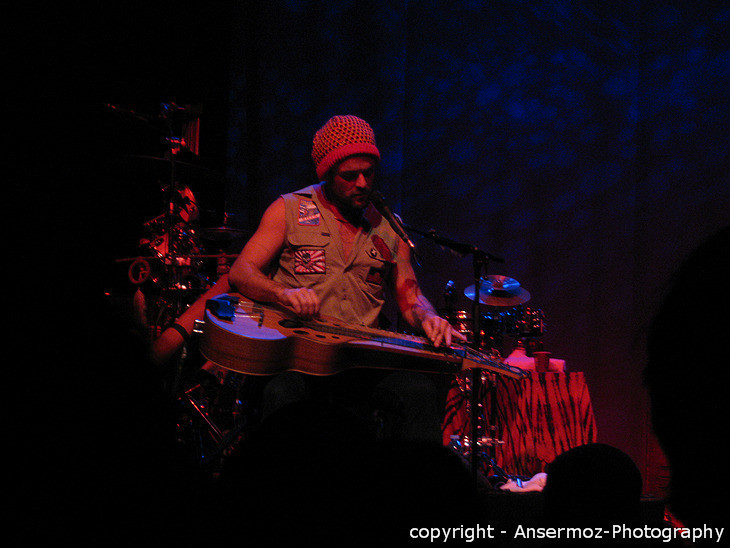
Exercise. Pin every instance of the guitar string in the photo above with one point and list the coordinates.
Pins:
(401, 340)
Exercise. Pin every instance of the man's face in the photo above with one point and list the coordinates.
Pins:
(353, 181)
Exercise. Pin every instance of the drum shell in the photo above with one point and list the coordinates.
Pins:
(492, 325)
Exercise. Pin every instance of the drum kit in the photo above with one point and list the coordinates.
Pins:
(184, 245)
(497, 311)
(499, 306)
(503, 315)
(178, 255)
(178, 261)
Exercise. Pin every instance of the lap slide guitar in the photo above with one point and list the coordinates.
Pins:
(256, 339)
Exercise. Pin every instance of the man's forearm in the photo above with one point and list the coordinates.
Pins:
(417, 309)
(254, 284)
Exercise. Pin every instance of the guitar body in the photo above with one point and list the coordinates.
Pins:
(255, 339)
(261, 340)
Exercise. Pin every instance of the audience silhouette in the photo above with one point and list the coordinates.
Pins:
(686, 376)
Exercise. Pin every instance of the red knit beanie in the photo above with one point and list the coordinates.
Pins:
(340, 137)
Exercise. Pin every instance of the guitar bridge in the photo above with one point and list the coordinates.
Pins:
(258, 308)
(257, 317)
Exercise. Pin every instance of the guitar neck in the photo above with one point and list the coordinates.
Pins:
(376, 335)
(468, 358)
(246, 319)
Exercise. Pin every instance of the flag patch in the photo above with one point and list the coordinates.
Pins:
(309, 261)
(308, 213)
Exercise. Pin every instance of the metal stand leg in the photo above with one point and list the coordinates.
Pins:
(483, 435)
(202, 429)
(492, 441)
(474, 422)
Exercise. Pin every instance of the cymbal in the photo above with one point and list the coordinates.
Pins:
(499, 290)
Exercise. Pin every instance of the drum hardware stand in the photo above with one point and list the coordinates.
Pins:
(223, 440)
(200, 400)
(481, 442)
(173, 260)
(480, 261)
(199, 408)
(221, 443)
(169, 203)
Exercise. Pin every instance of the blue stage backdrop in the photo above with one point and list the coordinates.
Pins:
(585, 143)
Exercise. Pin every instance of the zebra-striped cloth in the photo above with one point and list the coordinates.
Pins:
(538, 417)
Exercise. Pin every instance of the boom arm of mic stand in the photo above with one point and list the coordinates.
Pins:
(480, 260)
(459, 247)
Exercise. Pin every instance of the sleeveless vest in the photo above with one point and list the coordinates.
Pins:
(351, 289)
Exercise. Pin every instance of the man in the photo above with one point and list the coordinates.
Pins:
(325, 250)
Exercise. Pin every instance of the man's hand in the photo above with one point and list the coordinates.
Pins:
(303, 301)
(438, 330)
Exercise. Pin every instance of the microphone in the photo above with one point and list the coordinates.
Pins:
(376, 198)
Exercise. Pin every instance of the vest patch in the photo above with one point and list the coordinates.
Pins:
(382, 247)
(308, 213)
(376, 276)
(310, 261)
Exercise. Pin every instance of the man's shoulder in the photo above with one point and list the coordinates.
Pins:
(306, 192)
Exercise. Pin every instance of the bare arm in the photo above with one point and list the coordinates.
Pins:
(248, 274)
(171, 340)
(415, 307)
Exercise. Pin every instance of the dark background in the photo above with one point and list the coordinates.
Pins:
(584, 142)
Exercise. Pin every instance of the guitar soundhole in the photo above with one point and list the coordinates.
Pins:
(290, 324)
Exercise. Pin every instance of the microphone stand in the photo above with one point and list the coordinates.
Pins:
(480, 262)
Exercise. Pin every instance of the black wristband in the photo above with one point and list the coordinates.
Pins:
(180, 329)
